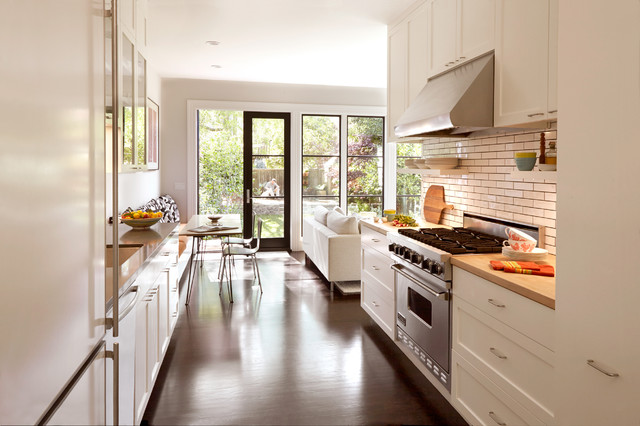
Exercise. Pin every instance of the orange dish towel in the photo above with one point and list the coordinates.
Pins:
(529, 268)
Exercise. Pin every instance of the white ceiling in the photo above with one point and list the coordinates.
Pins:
(324, 42)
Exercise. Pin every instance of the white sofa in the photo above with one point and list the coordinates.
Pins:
(331, 241)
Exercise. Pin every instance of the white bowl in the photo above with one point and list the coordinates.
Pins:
(536, 254)
(546, 167)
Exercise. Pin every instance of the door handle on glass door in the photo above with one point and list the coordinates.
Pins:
(248, 196)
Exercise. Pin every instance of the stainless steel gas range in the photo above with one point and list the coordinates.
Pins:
(423, 282)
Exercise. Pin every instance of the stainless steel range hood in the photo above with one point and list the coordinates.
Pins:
(456, 103)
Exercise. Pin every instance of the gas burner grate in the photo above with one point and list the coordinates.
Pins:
(456, 240)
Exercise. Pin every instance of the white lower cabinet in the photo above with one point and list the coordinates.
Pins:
(377, 295)
(501, 373)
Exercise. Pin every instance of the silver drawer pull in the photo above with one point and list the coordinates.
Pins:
(553, 111)
(375, 268)
(593, 364)
(373, 302)
(496, 419)
(497, 353)
(494, 303)
(535, 114)
(375, 240)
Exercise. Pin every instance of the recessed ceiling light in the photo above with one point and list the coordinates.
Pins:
(212, 42)
(216, 66)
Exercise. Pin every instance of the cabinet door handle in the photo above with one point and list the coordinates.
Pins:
(462, 58)
(535, 114)
(593, 364)
(373, 302)
(553, 111)
(449, 63)
(497, 353)
(494, 303)
(496, 419)
(375, 240)
(375, 268)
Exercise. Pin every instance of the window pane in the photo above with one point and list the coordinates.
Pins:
(409, 206)
(268, 136)
(408, 184)
(220, 162)
(321, 175)
(141, 107)
(266, 170)
(126, 101)
(320, 135)
(310, 203)
(271, 211)
(364, 176)
(364, 135)
(409, 149)
(364, 204)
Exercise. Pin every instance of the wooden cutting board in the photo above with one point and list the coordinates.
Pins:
(434, 204)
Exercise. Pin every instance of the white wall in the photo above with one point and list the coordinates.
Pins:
(174, 116)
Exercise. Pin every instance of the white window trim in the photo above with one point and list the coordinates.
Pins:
(296, 110)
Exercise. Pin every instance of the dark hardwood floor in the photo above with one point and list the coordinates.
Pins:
(293, 355)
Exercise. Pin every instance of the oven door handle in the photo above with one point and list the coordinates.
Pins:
(442, 295)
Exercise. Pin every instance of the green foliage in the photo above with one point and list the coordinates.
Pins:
(220, 162)
(408, 184)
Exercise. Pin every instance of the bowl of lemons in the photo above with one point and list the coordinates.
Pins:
(141, 220)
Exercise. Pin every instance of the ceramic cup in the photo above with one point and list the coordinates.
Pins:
(517, 235)
(523, 246)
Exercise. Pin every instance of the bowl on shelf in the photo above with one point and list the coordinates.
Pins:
(546, 167)
(525, 161)
(442, 163)
(410, 163)
(421, 163)
(141, 224)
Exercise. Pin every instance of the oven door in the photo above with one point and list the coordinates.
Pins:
(423, 312)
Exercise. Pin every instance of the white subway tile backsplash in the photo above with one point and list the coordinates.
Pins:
(488, 188)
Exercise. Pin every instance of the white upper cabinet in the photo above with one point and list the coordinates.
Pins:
(407, 68)
(397, 75)
(526, 34)
(458, 30)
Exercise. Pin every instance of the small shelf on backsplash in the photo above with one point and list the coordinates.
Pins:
(535, 175)
(435, 172)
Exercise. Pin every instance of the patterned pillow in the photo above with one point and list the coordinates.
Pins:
(166, 205)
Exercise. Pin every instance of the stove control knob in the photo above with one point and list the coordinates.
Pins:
(392, 247)
(408, 253)
(399, 250)
(416, 258)
(426, 264)
(437, 269)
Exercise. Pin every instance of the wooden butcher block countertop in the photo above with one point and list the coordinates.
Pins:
(537, 288)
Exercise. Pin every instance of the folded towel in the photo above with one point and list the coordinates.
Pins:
(528, 268)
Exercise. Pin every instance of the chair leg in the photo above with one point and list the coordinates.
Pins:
(229, 284)
(255, 265)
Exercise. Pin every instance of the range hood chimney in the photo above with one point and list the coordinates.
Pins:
(456, 103)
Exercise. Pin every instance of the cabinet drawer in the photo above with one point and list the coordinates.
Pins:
(379, 266)
(374, 239)
(482, 402)
(517, 364)
(528, 317)
(377, 301)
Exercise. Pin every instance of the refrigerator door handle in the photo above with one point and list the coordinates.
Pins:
(115, 355)
(71, 383)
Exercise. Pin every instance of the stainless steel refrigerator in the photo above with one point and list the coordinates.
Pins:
(52, 212)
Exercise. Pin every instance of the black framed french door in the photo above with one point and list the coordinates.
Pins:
(267, 142)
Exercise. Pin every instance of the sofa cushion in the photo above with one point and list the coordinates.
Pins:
(341, 224)
(338, 209)
(320, 214)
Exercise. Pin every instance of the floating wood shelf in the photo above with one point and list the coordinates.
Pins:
(435, 172)
(535, 175)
